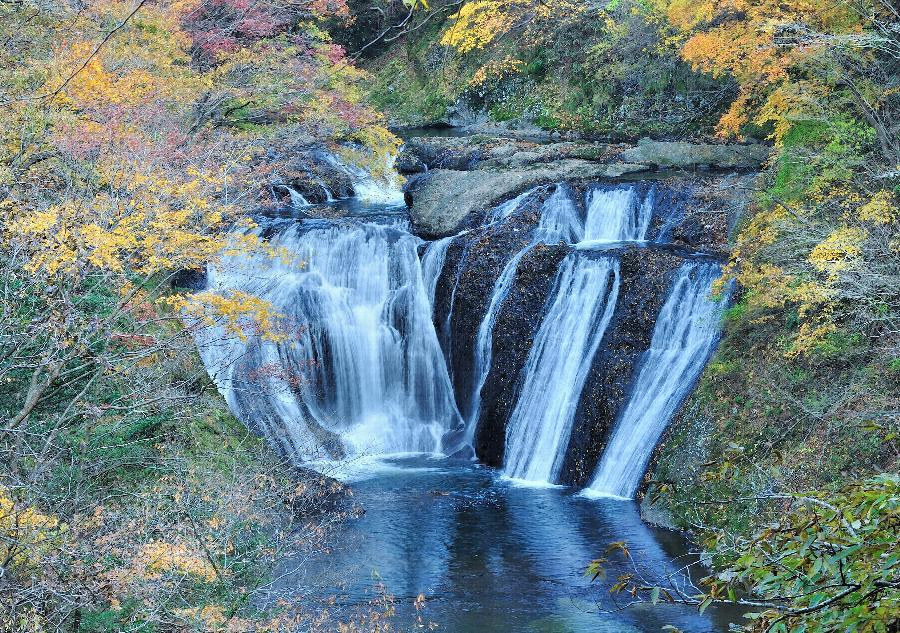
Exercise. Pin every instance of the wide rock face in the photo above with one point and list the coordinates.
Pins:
(474, 262)
(688, 218)
(645, 278)
(681, 154)
(517, 323)
(444, 201)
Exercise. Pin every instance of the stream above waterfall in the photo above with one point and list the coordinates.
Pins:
(490, 556)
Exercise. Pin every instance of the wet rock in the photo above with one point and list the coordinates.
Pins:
(682, 154)
(517, 324)
(193, 279)
(409, 163)
(472, 266)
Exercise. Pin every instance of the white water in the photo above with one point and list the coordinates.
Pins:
(433, 263)
(504, 210)
(368, 189)
(297, 199)
(361, 370)
(559, 223)
(582, 306)
(685, 335)
(612, 215)
(617, 215)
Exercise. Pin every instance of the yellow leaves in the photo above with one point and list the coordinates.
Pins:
(162, 224)
(838, 251)
(213, 617)
(241, 314)
(880, 209)
(496, 70)
(688, 14)
(810, 336)
(478, 23)
(26, 535)
(157, 558)
(760, 43)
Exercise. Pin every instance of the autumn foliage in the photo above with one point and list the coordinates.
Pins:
(134, 142)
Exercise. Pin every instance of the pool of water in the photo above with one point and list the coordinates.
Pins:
(491, 555)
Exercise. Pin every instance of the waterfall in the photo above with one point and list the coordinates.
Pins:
(583, 303)
(559, 222)
(362, 370)
(433, 263)
(484, 342)
(506, 209)
(617, 215)
(613, 215)
(325, 190)
(368, 189)
(297, 199)
(685, 335)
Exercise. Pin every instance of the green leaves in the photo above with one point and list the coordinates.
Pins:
(830, 564)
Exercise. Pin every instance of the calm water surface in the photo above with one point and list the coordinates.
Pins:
(491, 555)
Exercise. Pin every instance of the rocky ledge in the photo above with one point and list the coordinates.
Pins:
(453, 181)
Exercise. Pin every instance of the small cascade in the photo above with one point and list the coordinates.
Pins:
(368, 189)
(560, 221)
(617, 214)
(582, 306)
(433, 263)
(325, 190)
(297, 199)
(362, 370)
(484, 342)
(685, 335)
(506, 209)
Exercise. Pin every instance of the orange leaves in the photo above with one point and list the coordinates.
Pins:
(759, 43)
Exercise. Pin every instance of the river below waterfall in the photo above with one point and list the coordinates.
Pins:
(490, 555)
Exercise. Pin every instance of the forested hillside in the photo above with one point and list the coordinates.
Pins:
(140, 138)
(134, 136)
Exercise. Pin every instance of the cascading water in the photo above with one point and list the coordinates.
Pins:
(582, 306)
(433, 264)
(559, 222)
(367, 188)
(617, 215)
(364, 371)
(361, 371)
(535, 450)
(685, 335)
(297, 199)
